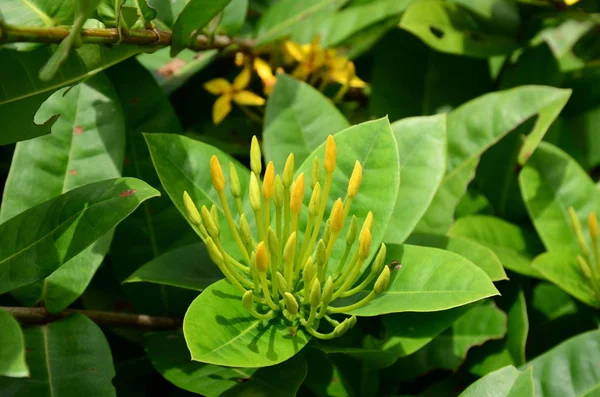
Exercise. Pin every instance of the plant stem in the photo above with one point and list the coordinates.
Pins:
(39, 315)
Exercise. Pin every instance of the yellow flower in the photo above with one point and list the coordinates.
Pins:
(264, 71)
(570, 2)
(310, 57)
(228, 92)
(341, 70)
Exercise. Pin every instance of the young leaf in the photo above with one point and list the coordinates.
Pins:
(70, 358)
(505, 382)
(427, 279)
(298, 118)
(422, 147)
(186, 267)
(219, 330)
(39, 240)
(171, 358)
(12, 349)
(87, 144)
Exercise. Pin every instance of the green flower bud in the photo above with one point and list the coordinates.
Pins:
(382, 281)
(281, 283)
(327, 292)
(342, 328)
(291, 304)
(213, 251)
(315, 293)
(308, 272)
(245, 232)
(254, 193)
(584, 267)
(214, 212)
(321, 253)
(352, 231)
(288, 171)
(191, 209)
(352, 321)
(315, 174)
(278, 197)
(234, 182)
(379, 259)
(327, 231)
(248, 299)
(289, 251)
(315, 200)
(255, 157)
(272, 240)
(576, 225)
(209, 222)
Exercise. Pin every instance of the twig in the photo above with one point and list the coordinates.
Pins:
(39, 315)
(148, 37)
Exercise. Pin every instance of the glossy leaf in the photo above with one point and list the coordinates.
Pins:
(194, 16)
(219, 330)
(233, 17)
(422, 148)
(429, 279)
(298, 119)
(476, 253)
(171, 358)
(39, 240)
(569, 369)
(552, 302)
(514, 246)
(12, 349)
(58, 351)
(87, 144)
(186, 267)
(508, 381)
(551, 182)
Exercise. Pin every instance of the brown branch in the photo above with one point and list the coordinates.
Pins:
(147, 37)
(39, 315)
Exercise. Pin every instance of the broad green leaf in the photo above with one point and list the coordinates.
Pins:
(479, 124)
(186, 267)
(373, 144)
(505, 382)
(366, 39)
(167, 12)
(233, 17)
(408, 332)
(502, 15)
(569, 369)
(449, 27)
(12, 348)
(156, 227)
(41, 239)
(281, 19)
(552, 302)
(23, 93)
(476, 253)
(171, 358)
(422, 147)
(427, 279)
(194, 16)
(514, 246)
(563, 270)
(527, 69)
(298, 119)
(327, 376)
(551, 182)
(69, 357)
(87, 144)
(219, 330)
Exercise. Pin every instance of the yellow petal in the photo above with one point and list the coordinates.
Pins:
(242, 80)
(248, 98)
(240, 58)
(357, 83)
(217, 86)
(221, 108)
(294, 50)
(263, 69)
(570, 2)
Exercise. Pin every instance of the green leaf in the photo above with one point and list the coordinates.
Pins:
(449, 27)
(429, 279)
(422, 147)
(70, 357)
(171, 358)
(569, 369)
(12, 349)
(194, 16)
(476, 253)
(87, 144)
(552, 302)
(514, 246)
(186, 267)
(373, 144)
(219, 330)
(23, 93)
(298, 119)
(479, 124)
(508, 381)
(41, 239)
(551, 182)
(233, 17)
(563, 270)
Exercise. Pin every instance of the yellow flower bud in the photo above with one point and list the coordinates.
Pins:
(315, 200)
(315, 174)
(254, 193)
(368, 223)
(282, 285)
(248, 299)
(234, 181)
(216, 174)
(255, 156)
(278, 196)
(330, 155)
(245, 232)
(297, 194)
(327, 292)
(262, 258)
(289, 251)
(379, 259)
(209, 223)
(191, 209)
(355, 180)
(288, 171)
(352, 231)
(337, 216)
(269, 181)
(382, 281)
(593, 226)
(213, 251)
(315, 293)
(364, 243)
(290, 303)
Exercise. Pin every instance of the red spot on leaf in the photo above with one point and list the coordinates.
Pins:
(242, 380)
(73, 172)
(127, 162)
(128, 193)
(78, 130)
(28, 350)
(92, 369)
(135, 101)
(334, 380)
